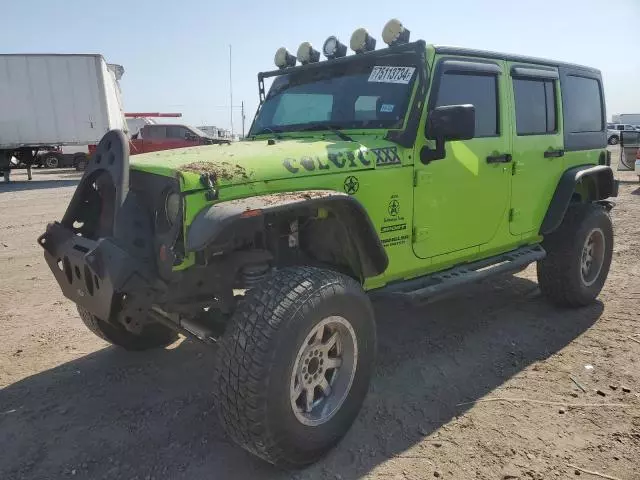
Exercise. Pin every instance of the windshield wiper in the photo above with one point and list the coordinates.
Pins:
(335, 129)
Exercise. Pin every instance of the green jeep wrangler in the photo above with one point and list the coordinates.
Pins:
(402, 172)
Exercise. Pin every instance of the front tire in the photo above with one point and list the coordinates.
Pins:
(613, 140)
(153, 335)
(294, 365)
(578, 257)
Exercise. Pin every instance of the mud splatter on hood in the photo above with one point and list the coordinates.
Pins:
(257, 161)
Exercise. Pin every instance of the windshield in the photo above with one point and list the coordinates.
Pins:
(359, 95)
(201, 133)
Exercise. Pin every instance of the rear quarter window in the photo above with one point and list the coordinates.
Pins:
(583, 104)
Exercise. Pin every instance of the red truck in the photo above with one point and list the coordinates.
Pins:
(155, 137)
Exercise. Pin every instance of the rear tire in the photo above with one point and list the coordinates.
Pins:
(613, 140)
(294, 365)
(578, 257)
(153, 335)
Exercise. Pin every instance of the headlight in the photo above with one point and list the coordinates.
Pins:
(361, 41)
(284, 59)
(172, 207)
(394, 33)
(332, 48)
(307, 54)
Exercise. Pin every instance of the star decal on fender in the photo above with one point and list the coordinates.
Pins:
(351, 185)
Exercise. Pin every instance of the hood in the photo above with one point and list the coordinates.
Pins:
(261, 160)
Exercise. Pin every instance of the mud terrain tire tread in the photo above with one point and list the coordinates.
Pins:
(558, 273)
(245, 364)
(152, 336)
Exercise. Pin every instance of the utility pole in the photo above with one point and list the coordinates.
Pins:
(242, 111)
(230, 92)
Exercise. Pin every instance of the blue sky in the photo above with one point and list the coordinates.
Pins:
(176, 53)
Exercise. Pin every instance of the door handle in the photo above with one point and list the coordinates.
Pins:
(554, 153)
(499, 158)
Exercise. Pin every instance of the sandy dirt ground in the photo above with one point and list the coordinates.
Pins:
(73, 406)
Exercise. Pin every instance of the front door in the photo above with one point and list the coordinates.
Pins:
(461, 200)
(538, 144)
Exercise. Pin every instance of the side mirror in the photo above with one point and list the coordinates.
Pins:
(449, 122)
(452, 122)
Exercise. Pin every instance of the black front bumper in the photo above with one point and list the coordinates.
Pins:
(102, 252)
(94, 274)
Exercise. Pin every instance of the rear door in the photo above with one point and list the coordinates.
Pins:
(538, 144)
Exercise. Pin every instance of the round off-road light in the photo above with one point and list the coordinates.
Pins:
(361, 41)
(284, 59)
(332, 48)
(307, 54)
(394, 33)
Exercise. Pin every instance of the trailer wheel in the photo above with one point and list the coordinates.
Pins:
(80, 162)
(51, 160)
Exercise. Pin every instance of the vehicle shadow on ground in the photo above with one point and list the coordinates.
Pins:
(35, 184)
(113, 414)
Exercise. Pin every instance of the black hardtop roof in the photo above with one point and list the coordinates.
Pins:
(470, 52)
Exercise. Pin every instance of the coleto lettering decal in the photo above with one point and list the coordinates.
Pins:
(349, 159)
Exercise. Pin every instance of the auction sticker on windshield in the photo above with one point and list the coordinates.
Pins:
(382, 74)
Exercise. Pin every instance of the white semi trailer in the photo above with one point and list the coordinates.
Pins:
(49, 102)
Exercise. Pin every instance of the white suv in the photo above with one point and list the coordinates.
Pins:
(614, 129)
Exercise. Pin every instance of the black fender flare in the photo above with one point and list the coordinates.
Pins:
(606, 186)
(247, 214)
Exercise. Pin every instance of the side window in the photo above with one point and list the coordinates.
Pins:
(177, 132)
(478, 90)
(583, 104)
(154, 132)
(535, 106)
(620, 127)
